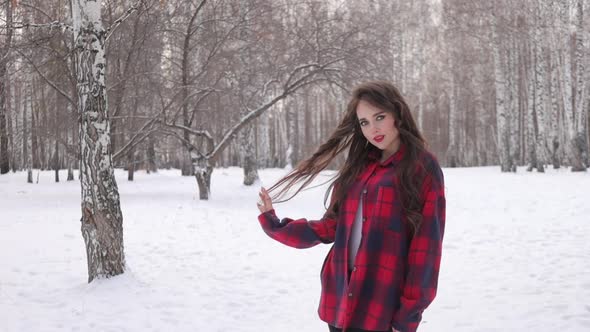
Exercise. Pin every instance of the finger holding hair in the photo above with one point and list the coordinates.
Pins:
(265, 203)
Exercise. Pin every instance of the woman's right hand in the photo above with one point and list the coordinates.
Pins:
(265, 203)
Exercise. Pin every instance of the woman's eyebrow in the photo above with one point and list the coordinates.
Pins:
(374, 115)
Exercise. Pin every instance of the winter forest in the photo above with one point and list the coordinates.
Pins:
(261, 83)
(195, 104)
(189, 88)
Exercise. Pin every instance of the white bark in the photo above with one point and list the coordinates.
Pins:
(555, 119)
(292, 135)
(203, 169)
(102, 221)
(452, 158)
(4, 91)
(28, 128)
(566, 82)
(512, 91)
(502, 104)
(579, 146)
(247, 152)
(263, 144)
(540, 91)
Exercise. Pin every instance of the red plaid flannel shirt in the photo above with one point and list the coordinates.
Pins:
(394, 277)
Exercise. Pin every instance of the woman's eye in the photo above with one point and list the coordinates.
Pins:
(363, 123)
(380, 117)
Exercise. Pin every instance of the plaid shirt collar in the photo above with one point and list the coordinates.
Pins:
(375, 156)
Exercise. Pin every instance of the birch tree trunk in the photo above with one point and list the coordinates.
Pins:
(247, 152)
(502, 112)
(56, 160)
(4, 159)
(31, 89)
(292, 135)
(579, 148)
(28, 125)
(539, 91)
(102, 221)
(263, 141)
(188, 166)
(452, 149)
(530, 118)
(70, 138)
(12, 119)
(512, 91)
(203, 168)
(566, 82)
(553, 72)
(151, 166)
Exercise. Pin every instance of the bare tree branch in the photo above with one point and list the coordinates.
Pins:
(109, 31)
(52, 25)
(47, 80)
(287, 90)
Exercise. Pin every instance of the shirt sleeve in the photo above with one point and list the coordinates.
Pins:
(423, 256)
(299, 233)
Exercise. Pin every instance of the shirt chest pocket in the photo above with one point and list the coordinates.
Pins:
(388, 208)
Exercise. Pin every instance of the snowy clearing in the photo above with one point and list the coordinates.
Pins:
(516, 256)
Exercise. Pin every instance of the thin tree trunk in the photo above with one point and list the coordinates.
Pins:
(41, 109)
(131, 155)
(188, 161)
(56, 124)
(452, 149)
(203, 169)
(10, 117)
(579, 140)
(152, 167)
(70, 137)
(540, 92)
(513, 105)
(70, 171)
(272, 140)
(34, 125)
(247, 152)
(502, 116)
(4, 92)
(4, 158)
(291, 119)
(27, 160)
(28, 152)
(554, 114)
(56, 161)
(130, 165)
(531, 128)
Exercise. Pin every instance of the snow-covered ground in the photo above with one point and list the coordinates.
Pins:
(516, 257)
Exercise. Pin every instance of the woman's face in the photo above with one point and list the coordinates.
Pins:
(378, 127)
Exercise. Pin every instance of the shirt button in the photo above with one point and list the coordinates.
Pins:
(364, 191)
(349, 294)
(354, 269)
(364, 219)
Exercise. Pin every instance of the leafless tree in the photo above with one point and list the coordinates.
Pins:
(205, 83)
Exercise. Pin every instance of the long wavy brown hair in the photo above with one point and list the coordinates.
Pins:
(348, 134)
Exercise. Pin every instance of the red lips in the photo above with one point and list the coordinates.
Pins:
(379, 138)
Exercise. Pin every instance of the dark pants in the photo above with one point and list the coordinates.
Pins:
(335, 329)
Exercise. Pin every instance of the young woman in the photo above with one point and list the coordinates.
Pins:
(386, 216)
